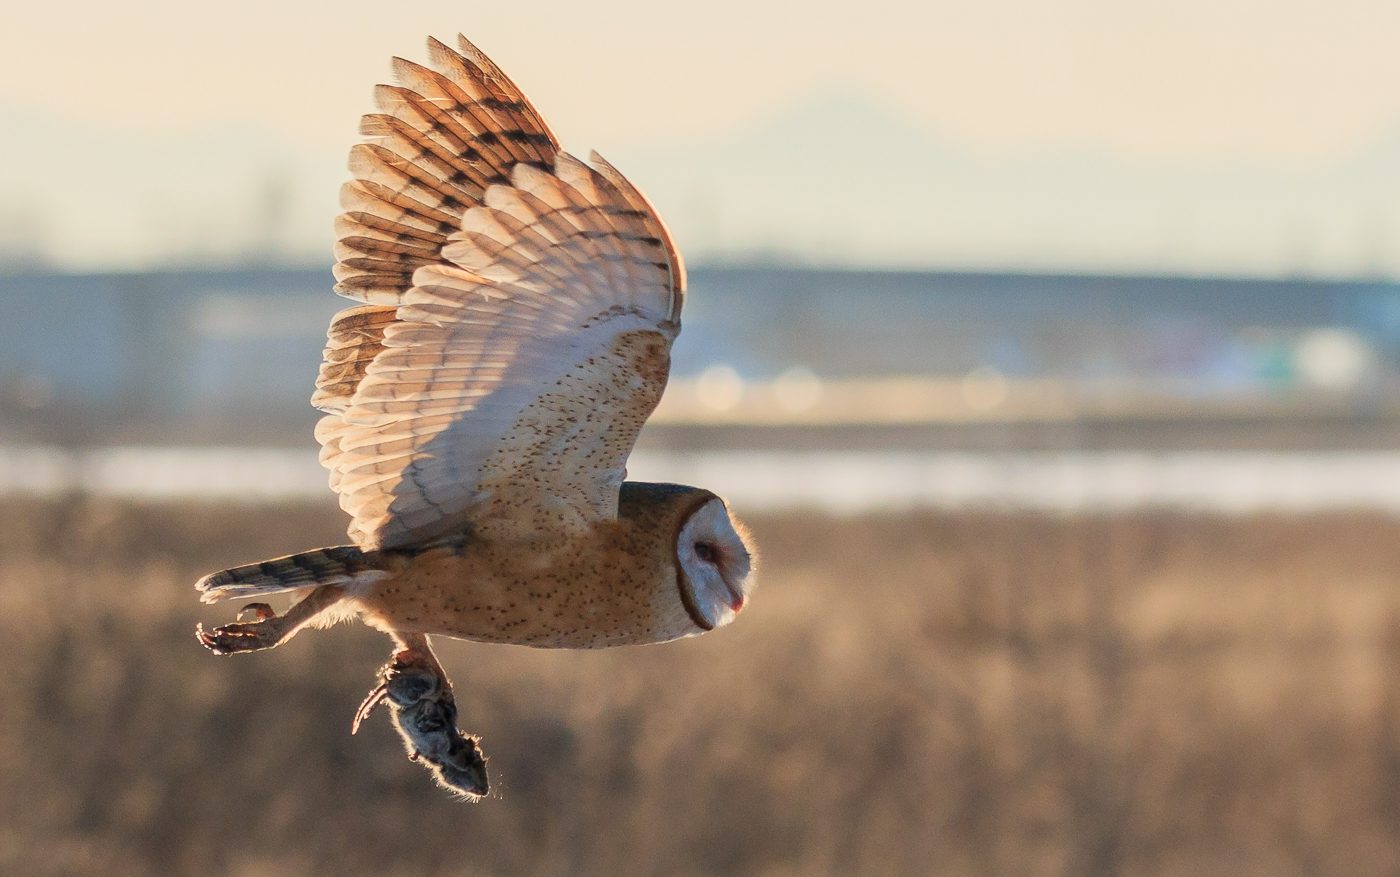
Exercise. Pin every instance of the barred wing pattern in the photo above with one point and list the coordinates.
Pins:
(519, 307)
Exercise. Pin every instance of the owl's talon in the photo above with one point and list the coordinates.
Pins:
(368, 706)
(261, 612)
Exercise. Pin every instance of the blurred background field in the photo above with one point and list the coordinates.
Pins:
(924, 693)
(1062, 574)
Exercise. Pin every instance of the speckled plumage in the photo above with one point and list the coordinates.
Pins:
(610, 585)
(517, 310)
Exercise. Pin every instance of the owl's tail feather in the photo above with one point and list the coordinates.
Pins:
(338, 565)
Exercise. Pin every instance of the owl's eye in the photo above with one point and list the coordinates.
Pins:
(706, 552)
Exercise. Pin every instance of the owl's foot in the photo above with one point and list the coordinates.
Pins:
(266, 632)
(419, 696)
(406, 681)
(267, 629)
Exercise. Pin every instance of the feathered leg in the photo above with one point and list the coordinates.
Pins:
(420, 698)
(269, 630)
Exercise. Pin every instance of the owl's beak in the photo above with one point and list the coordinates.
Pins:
(736, 599)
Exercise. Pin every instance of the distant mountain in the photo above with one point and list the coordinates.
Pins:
(839, 178)
(836, 178)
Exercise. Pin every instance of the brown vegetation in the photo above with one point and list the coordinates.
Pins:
(911, 694)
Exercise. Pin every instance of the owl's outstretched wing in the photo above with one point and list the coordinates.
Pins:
(519, 311)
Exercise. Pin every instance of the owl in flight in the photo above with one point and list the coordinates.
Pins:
(517, 310)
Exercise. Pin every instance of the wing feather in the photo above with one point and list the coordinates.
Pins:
(355, 338)
(520, 307)
(440, 140)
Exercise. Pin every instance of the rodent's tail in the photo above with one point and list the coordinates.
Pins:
(338, 565)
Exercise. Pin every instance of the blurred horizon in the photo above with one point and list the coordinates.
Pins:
(771, 357)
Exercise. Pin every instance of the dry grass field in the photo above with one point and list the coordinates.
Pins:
(913, 694)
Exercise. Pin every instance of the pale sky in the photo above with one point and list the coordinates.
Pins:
(1277, 86)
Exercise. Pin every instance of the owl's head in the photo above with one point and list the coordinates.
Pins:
(711, 553)
(714, 564)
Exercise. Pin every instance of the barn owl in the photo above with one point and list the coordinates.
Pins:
(517, 310)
